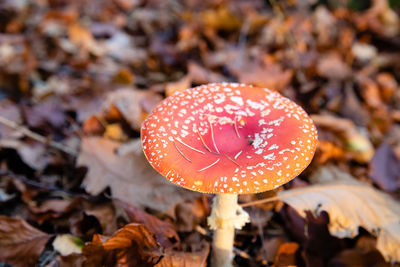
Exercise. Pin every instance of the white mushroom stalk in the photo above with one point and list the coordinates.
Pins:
(226, 216)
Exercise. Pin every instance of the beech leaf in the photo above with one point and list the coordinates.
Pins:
(350, 204)
(129, 175)
(20, 243)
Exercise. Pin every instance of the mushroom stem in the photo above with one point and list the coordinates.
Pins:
(226, 215)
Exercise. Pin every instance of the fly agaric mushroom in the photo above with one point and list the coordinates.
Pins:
(228, 139)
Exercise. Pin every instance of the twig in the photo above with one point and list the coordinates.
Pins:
(37, 137)
(261, 201)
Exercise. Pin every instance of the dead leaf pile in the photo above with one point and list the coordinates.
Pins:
(78, 78)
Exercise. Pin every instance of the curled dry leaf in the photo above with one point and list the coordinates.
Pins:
(371, 209)
(18, 238)
(163, 230)
(129, 176)
(133, 245)
(356, 143)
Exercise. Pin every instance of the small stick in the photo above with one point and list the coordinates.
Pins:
(37, 137)
(236, 128)
(183, 155)
(232, 160)
(212, 164)
(238, 154)
(180, 141)
(212, 136)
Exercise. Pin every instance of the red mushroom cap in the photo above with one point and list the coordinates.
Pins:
(229, 138)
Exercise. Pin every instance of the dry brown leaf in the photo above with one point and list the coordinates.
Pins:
(105, 214)
(133, 245)
(134, 105)
(115, 132)
(350, 204)
(201, 75)
(83, 38)
(18, 238)
(327, 151)
(129, 176)
(178, 86)
(163, 230)
(220, 19)
(356, 142)
(331, 66)
(286, 255)
(185, 259)
(269, 75)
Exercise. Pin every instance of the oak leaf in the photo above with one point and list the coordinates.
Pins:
(350, 204)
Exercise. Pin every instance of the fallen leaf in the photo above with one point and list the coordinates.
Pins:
(115, 132)
(354, 138)
(331, 66)
(190, 214)
(10, 111)
(388, 85)
(371, 209)
(364, 254)
(220, 19)
(93, 126)
(129, 176)
(130, 103)
(184, 259)
(105, 214)
(359, 258)
(124, 76)
(34, 154)
(47, 112)
(133, 245)
(18, 238)
(271, 247)
(163, 230)
(328, 151)
(83, 38)
(201, 75)
(286, 255)
(268, 75)
(385, 168)
(178, 86)
(370, 91)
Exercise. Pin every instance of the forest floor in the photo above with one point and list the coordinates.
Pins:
(77, 79)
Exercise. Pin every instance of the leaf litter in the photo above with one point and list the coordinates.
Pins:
(78, 78)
